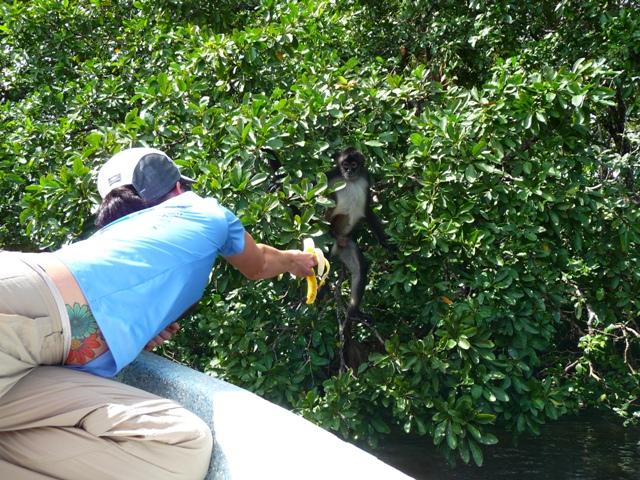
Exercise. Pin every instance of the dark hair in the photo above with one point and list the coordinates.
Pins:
(124, 200)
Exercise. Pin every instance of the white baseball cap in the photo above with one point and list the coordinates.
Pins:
(149, 171)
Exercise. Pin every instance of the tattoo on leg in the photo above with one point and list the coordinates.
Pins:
(87, 341)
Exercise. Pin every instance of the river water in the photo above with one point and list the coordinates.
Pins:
(587, 447)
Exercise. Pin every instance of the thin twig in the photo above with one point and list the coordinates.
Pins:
(375, 332)
(341, 324)
(591, 314)
(626, 352)
(570, 366)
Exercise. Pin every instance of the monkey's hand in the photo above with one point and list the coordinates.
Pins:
(323, 270)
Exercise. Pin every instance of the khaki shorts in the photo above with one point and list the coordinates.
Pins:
(34, 325)
(58, 423)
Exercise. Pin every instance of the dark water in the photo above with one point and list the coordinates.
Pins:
(588, 447)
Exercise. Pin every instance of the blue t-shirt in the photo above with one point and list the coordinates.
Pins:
(141, 272)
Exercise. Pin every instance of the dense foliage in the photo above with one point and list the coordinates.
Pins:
(504, 137)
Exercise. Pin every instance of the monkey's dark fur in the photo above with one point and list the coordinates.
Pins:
(352, 204)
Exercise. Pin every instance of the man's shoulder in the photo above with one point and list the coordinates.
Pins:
(191, 200)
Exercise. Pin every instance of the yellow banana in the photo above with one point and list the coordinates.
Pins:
(322, 270)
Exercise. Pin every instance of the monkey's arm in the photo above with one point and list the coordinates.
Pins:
(377, 228)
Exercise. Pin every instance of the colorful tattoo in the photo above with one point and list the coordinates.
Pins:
(86, 340)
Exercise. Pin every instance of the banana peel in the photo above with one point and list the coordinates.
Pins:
(319, 276)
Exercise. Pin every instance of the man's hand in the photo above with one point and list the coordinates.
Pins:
(302, 263)
(163, 336)
(258, 261)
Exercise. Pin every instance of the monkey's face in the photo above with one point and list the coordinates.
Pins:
(351, 164)
(349, 169)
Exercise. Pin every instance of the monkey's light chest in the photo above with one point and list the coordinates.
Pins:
(352, 200)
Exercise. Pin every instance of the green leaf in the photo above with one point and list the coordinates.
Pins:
(416, 138)
(452, 440)
(476, 392)
(478, 147)
(380, 426)
(578, 100)
(463, 343)
(485, 167)
(470, 174)
(475, 433)
(500, 394)
(463, 448)
(439, 432)
(94, 139)
(476, 453)
(317, 360)
(521, 423)
(422, 428)
(485, 418)
(577, 64)
(258, 178)
(275, 143)
(443, 124)
(488, 439)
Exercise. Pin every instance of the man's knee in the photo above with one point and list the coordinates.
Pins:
(204, 437)
(181, 441)
(196, 448)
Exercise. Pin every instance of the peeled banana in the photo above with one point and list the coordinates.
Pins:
(320, 275)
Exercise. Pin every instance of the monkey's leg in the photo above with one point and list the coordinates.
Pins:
(352, 257)
(342, 318)
(340, 228)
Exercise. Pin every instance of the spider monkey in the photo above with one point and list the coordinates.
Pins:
(352, 204)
